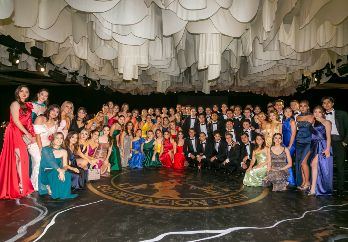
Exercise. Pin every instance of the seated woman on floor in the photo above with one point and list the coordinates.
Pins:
(53, 167)
(258, 165)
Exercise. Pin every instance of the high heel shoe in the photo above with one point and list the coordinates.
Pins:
(311, 193)
(305, 187)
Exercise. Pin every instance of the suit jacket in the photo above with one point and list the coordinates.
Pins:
(198, 130)
(237, 134)
(234, 154)
(220, 127)
(188, 147)
(237, 124)
(221, 154)
(244, 152)
(208, 151)
(186, 125)
(341, 119)
(252, 135)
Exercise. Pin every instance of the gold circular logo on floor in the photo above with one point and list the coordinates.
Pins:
(176, 190)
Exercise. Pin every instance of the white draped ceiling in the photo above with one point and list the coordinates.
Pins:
(144, 46)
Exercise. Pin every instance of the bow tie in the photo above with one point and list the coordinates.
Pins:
(203, 143)
(192, 138)
(193, 118)
(247, 130)
(214, 123)
(229, 145)
(247, 144)
(202, 124)
(239, 117)
(328, 113)
(230, 130)
(217, 142)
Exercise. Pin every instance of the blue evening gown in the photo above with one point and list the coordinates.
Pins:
(137, 159)
(286, 130)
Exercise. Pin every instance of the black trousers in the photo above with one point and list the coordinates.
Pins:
(339, 158)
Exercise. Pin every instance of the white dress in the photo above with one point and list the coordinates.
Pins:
(61, 127)
(35, 153)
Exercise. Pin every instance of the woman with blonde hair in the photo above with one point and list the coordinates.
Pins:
(66, 115)
(96, 123)
(272, 127)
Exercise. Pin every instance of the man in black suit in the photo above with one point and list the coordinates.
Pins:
(205, 150)
(215, 124)
(279, 106)
(189, 122)
(229, 128)
(237, 117)
(248, 116)
(247, 129)
(190, 148)
(219, 153)
(246, 151)
(232, 162)
(339, 138)
(201, 125)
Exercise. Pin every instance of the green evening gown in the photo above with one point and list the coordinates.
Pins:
(254, 177)
(48, 176)
(115, 157)
(148, 152)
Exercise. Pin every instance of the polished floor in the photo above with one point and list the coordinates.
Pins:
(165, 205)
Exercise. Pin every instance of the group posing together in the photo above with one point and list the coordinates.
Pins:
(50, 150)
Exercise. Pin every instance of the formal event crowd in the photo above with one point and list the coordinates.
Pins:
(55, 149)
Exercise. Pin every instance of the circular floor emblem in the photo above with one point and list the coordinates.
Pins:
(176, 190)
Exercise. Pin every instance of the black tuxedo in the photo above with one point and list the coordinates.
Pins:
(198, 129)
(236, 134)
(238, 123)
(206, 151)
(341, 121)
(190, 149)
(187, 124)
(221, 154)
(252, 122)
(244, 152)
(233, 155)
(220, 127)
(252, 134)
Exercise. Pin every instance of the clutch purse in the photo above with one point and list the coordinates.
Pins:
(26, 140)
(93, 174)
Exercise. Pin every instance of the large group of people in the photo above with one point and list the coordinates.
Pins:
(51, 149)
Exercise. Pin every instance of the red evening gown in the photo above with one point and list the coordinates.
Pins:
(179, 158)
(165, 157)
(9, 177)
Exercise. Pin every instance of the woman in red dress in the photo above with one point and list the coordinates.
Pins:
(167, 153)
(14, 160)
(179, 157)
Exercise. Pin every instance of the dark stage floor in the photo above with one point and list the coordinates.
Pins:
(163, 205)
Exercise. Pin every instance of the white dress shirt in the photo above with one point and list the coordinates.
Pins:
(330, 115)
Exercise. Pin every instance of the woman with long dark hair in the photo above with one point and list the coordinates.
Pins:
(79, 121)
(78, 174)
(40, 103)
(45, 125)
(258, 165)
(125, 143)
(14, 161)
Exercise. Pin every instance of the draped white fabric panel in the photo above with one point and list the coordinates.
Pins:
(144, 46)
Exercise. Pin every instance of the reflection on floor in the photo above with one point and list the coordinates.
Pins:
(164, 205)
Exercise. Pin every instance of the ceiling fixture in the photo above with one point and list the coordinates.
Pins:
(14, 55)
(87, 82)
(41, 64)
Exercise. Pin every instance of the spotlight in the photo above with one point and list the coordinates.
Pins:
(14, 56)
(41, 64)
(87, 81)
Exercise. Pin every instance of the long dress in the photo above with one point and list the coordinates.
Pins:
(115, 157)
(179, 158)
(148, 152)
(254, 177)
(34, 151)
(127, 140)
(101, 153)
(277, 177)
(165, 157)
(303, 143)
(137, 159)
(78, 180)
(49, 176)
(286, 141)
(144, 129)
(10, 187)
(325, 165)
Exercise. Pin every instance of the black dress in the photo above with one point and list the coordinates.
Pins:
(75, 127)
